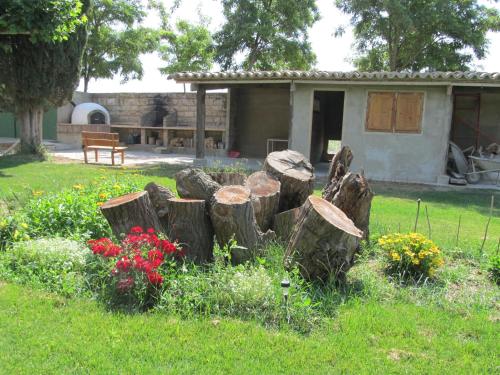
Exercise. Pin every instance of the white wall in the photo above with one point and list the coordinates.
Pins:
(383, 156)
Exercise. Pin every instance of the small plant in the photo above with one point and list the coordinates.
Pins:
(411, 255)
(494, 268)
(134, 270)
(12, 229)
(54, 264)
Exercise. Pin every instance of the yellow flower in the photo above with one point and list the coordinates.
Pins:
(78, 187)
(99, 204)
(116, 187)
(24, 225)
(37, 193)
(3, 224)
(395, 256)
(415, 261)
(103, 196)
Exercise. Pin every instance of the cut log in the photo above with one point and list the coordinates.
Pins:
(193, 183)
(296, 175)
(284, 223)
(189, 224)
(354, 198)
(228, 178)
(323, 241)
(339, 167)
(159, 197)
(127, 211)
(265, 191)
(233, 216)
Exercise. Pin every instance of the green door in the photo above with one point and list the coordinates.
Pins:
(50, 124)
(9, 128)
(7, 125)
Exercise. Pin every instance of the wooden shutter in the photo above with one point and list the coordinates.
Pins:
(409, 107)
(379, 114)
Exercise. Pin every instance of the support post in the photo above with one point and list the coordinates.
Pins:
(200, 122)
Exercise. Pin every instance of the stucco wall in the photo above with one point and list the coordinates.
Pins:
(383, 156)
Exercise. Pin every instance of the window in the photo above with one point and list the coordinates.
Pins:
(394, 112)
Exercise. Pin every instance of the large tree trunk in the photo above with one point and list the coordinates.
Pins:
(188, 223)
(127, 211)
(296, 175)
(31, 130)
(323, 241)
(354, 198)
(193, 183)
(339, 166)
(284, 223)
(265, 191)
(233, 216)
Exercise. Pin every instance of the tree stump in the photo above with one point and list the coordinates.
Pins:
(188, 223)
(354, 198)
(228, 178)
(339, 166)
(159, 197)
(193, 183)
(284, 223)
(296, 175)
(233, 216)
(323, 241)
(127, 211)
(265, 191)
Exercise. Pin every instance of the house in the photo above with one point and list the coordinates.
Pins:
(398, 124)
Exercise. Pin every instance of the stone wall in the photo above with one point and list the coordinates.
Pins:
(149, 109)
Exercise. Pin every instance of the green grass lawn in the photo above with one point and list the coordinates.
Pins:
(46, 334)
(379, 327)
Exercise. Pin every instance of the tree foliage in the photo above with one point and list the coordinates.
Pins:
(419, 35)
(41, 20)
(117, 40)
(39, 72)
(269, 34)
(188, 48)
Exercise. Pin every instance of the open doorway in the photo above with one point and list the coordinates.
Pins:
(326, 135)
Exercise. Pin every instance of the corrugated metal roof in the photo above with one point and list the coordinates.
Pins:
(295, 75)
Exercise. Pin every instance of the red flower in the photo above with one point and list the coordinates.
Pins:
(136, 229)
(168, 247)
(155, 254)
(155, 278)
(124, 264)
(112, 251)
(151, 231)
(105, 247)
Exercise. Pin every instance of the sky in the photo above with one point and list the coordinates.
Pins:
(332, 53)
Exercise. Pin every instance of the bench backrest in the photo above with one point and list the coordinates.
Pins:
(100, 139)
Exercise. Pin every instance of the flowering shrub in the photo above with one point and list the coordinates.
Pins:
(136, 268)
(411, 254)
(12, 229)
(74, 212)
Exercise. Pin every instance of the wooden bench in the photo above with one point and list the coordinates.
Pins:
(102, 141)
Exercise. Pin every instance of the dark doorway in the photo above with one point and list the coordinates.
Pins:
(326, 135)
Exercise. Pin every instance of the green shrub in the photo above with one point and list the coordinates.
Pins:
(411, 255)
(54, 264)
(494, 268)
(12, 229)
(74, 213)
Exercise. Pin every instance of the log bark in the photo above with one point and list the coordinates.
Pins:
(339, 167)
(127, 211)
(193, 183)
(189, 224)
(228, 178)
(233, 216)
(284, 223)
(159, 197)
(265, 191)
(296, 175)
(323, 241)
(354, 198)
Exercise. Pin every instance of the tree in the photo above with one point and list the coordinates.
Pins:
(41, 65)
(414, 35)
(117, 40)
(270, 34)
(189, 48)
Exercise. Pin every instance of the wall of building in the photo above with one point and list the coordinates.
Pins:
(383, 156)
(262, 113)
